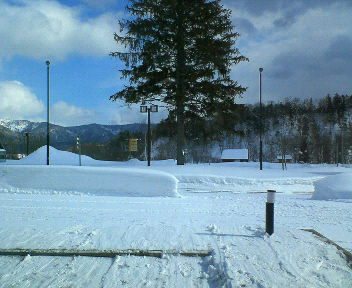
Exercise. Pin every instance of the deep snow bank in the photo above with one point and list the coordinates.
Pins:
(86, 180)
(334, 187)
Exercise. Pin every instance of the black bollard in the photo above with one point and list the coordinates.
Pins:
(269, 224)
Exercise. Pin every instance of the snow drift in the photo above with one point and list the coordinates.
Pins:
(334, 187)
(57, 157)
(86, 180)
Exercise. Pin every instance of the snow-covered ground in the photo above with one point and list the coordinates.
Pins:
(219, 209)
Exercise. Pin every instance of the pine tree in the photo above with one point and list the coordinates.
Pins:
(180, 53)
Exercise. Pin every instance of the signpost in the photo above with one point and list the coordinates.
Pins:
(79, 150)
(132, 145)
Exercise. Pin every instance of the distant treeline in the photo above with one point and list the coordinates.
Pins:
(311, 131)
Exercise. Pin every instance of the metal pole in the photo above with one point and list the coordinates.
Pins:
(149, 137)
(261, 120)
(80, 155)
(48, 115)
(79, 150)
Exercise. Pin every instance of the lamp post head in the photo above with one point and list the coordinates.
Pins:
(261, 70)
(143, 109)
(154, 108)
(47, 62)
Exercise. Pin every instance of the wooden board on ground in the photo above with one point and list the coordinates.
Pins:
(102, 253)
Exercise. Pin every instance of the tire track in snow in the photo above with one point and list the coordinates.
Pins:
(77, 236)
(104, 277)
(257, 260)
(215, 268)
(27, 270)
(45, 272)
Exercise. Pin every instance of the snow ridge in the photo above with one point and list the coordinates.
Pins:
(237, 184)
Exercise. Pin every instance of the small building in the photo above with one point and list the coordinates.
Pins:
(2, 155)
(287, 158)
(234, 155)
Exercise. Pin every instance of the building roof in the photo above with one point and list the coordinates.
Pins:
(287, 157)
(234, 154)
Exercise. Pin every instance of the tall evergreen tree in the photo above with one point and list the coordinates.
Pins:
(180, 53)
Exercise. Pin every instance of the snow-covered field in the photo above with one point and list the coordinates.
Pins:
(194, 207)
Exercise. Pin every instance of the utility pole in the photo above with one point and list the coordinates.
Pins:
(48, 115)
(261, 120)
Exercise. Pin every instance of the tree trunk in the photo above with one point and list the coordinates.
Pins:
(180, 70)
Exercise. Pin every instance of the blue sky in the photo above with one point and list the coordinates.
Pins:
(304, 46)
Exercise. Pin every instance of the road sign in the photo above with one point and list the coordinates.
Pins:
(132, 145)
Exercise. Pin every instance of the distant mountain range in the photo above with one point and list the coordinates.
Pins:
(64, 137)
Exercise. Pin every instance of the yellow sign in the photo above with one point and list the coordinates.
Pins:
(132, 145)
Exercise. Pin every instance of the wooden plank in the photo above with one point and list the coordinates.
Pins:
(347, 254)
(102, 253)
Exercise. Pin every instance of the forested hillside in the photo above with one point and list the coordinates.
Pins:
(310, 131)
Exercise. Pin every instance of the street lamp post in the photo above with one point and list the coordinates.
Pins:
(148, 109)
(261, 120)
(337, 150)
(342, 144)
(48, 114)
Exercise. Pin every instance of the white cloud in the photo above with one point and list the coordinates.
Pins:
(294, 57)
(66, 114)
(118, 113)
(47, 29)
(18, 102)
